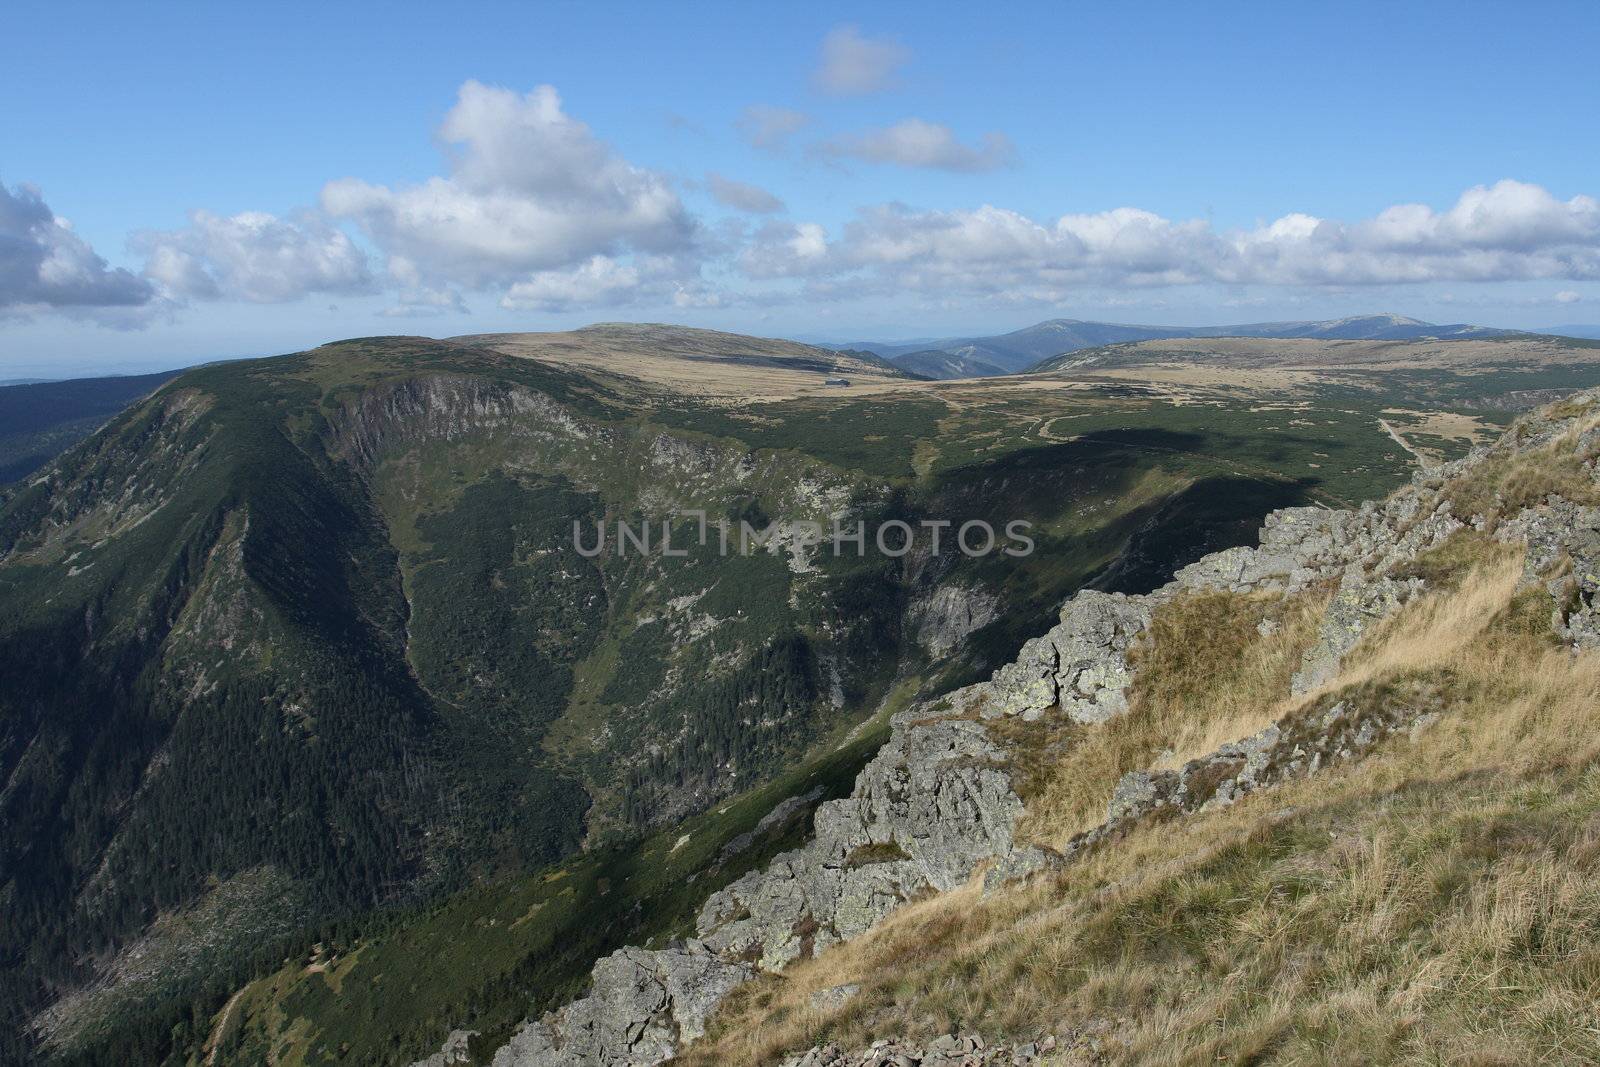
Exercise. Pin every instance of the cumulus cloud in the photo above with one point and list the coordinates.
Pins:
(916, 143)
(742, 196)
(418, 299)
(769, 128)
(781, 250)
(254, 256)
(1505, 232)
(44, 265)
(530, 190)
(602, 281)
(1567, 296)
(853, 65)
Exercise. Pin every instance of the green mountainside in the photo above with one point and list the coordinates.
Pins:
(318, 737)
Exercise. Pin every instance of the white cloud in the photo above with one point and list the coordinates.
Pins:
(537, 211)
(742, 196)
(1505, 232)
(602, 281)
(44, 265)
(769, 128)
(254, 256)
(782, 249)
(418, 299)
(530, 190)
(916, 143)
(853, 65)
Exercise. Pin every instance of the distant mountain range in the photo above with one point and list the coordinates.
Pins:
(38, 420)
(1590, 332)
(984, 357)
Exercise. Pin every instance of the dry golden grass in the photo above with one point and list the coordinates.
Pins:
(1437, 902)
(706, 364)
(1205, 663)
(1504, 484)
(1207, 377)
(1450, 425)
(1436, 632)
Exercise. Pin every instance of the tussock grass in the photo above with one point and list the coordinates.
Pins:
(1437, 632)
(1506, 483)
(1436, 902)
(1447, 564)
(1180, 688)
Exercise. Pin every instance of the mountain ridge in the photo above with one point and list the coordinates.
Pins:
(1020, 349)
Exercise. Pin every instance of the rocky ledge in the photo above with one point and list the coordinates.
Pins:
(927, 811)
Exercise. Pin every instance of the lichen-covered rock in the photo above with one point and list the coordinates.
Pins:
(1020, 864)
(933, 805)
(951, 1050)
(643, 1006)
(834, 996)
(1353, 610)
(1134, 794)
(1093, 639)
(1026, 686)
(1563, 552)
(1298, 547)
(1080, 666)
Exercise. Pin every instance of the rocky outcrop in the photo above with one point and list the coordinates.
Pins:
(454, 1052)
(1358, 604)
(644, 1006)
(1292, 747)
(944, 618)
(1303, 547)
(1563, 542)
(934, 804)
(443, 407)
(1079, 667)
(967, 1050)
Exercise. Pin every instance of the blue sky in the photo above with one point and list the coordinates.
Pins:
(249, 179)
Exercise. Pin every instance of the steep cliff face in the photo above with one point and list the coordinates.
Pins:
(941, 802)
